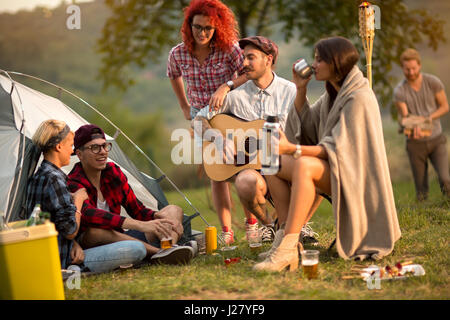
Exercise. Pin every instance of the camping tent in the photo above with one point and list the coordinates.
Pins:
(22, 109)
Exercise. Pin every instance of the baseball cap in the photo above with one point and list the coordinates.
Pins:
(86, 133)
(263, 44)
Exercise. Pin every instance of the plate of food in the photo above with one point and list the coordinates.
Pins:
(401, 270)
(396, 272)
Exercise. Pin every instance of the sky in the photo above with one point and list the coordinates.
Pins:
(12, 6)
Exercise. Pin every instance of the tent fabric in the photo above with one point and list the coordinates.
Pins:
(9, 144)
(6, 109)
(35, 107)
(18, 203)
(150, 183)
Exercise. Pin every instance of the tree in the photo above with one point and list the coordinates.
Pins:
(142, 31)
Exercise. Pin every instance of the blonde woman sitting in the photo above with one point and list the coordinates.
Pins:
(48, 187)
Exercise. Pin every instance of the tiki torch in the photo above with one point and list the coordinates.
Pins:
(367, 33)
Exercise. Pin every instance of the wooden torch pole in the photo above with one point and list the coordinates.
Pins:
(367, 33)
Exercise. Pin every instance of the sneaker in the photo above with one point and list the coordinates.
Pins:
(308, 236)
(250, 226)
(175, 255)
(193, 244)
(227, 235)
(267, 233)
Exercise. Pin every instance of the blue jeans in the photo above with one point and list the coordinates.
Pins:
(111, 256)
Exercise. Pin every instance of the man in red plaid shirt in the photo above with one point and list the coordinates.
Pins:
(108, 190)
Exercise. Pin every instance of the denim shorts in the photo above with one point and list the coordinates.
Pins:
(194, 112)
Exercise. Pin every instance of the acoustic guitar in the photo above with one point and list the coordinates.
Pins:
(247, 137)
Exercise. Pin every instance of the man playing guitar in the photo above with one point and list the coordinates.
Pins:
(266, 94)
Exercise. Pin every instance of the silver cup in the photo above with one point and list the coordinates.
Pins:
(303, 69)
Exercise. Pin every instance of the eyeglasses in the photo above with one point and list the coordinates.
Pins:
(199, 28)
(95, 148)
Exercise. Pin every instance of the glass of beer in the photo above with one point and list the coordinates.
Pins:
(254, 239)
(166, 243)
(310, 263)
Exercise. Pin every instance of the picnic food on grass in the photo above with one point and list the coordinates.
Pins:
(400, 270)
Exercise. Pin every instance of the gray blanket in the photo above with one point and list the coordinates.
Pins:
(362, 197)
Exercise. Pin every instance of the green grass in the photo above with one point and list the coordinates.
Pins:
(425, 236)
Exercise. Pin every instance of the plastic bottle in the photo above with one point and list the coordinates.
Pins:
(270, 140)
(34, 218)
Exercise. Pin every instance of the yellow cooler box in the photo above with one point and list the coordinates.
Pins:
(29, 263)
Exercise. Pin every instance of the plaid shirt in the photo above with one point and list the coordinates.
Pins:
(203, 80)
(116, 192)
(48, 187)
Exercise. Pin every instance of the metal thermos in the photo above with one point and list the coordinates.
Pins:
(270, 163)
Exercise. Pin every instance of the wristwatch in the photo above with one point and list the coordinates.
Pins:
(230, 85)
(298, 151)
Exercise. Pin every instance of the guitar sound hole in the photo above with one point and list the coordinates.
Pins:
(250, 142)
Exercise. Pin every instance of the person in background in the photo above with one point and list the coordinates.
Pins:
(423, 94)
(48, 187)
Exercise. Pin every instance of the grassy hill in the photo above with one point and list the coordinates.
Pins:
(38, 43)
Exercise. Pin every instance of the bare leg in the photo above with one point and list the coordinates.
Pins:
(222, 203)
(248, 214)
(280, 190)
(308, 173)
(251, 188)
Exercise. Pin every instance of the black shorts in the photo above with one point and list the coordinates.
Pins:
(141, 236)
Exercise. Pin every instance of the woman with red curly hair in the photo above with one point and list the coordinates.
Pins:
(210, 61)
(209, 58)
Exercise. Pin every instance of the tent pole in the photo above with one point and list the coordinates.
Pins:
(17, 176)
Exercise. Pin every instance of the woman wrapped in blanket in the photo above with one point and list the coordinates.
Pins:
(334, 147)
(48, 187)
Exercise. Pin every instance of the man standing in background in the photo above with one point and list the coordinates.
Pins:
(423, 95)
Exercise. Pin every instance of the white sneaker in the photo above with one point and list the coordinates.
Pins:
(250, 228)
(227, 236)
